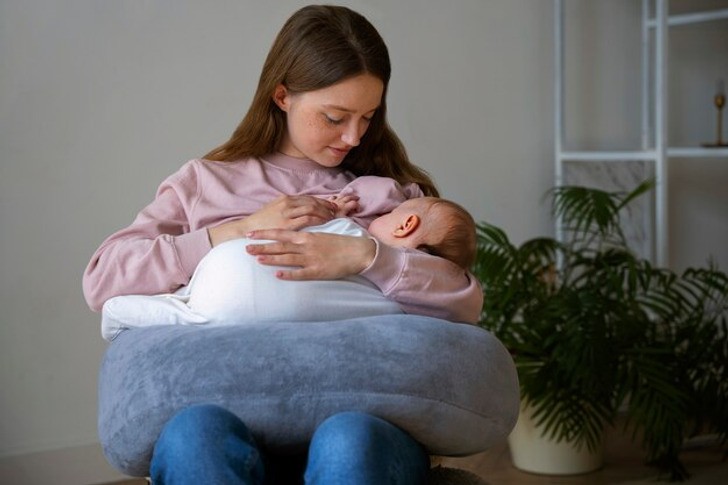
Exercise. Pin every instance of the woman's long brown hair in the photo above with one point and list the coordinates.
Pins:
(321, 45)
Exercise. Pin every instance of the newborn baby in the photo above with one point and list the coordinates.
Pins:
(229, 287)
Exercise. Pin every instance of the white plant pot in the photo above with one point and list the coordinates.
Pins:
(532, 452)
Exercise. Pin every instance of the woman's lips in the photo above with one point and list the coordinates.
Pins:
(340, 151)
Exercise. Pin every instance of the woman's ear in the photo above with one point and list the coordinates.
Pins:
(408, 225)
(281, 97)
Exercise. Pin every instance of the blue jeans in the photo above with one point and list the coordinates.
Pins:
(208, 444)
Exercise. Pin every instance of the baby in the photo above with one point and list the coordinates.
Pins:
(229, 287)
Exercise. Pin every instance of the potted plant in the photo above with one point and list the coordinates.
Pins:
(597, 332)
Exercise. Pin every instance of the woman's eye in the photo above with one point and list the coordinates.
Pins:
(333, 121)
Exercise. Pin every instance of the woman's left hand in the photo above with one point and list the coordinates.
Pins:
(315, 256)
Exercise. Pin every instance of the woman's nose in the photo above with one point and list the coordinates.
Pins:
(352, 135)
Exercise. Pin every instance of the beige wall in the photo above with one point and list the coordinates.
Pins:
(100, 100)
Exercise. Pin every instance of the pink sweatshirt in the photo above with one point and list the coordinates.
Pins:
(160, 250)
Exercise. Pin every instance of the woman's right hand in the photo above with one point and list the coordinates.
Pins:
(313, 256)
(285, 212)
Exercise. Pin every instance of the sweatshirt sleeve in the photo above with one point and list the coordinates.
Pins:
(157, 253)
(378, 195)
(424, 284)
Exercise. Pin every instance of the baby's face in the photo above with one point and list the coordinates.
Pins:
(382, 228)
(385, 227)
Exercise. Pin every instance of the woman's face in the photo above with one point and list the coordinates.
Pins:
(323, 125)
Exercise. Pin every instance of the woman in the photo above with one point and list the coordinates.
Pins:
(317, 121)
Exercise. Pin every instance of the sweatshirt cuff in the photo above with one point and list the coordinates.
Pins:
(191, 247)
(386, 269)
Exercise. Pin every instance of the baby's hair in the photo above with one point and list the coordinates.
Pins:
(454, 233)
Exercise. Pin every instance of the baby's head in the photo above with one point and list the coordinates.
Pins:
(431, 224)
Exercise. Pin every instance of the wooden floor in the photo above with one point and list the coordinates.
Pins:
(623, 465)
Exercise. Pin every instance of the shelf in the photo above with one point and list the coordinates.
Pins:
(607, 156)
(650, 155)
(697, 152)
(654, 111)
(692, 18)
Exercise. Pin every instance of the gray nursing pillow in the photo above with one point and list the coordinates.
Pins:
(453, 387)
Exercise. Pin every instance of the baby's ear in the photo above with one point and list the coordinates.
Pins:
(407, 226)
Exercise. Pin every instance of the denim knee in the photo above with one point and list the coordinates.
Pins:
(209, 443)
(352, 428)
(363, 449)
(198, 428)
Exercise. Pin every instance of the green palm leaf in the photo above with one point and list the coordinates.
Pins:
(593, 328)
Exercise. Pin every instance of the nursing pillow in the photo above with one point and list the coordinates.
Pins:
(453, 387)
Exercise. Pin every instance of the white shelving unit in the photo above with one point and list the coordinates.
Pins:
(654, 147)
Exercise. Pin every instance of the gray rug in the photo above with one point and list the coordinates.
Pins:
(717, 475)
(440, 475)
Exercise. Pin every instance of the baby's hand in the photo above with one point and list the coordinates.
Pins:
(345, 204)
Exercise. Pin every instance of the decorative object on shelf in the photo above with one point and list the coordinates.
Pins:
(597, 332)
(719, 102)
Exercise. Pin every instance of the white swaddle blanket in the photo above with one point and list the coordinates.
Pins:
(229, 287)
